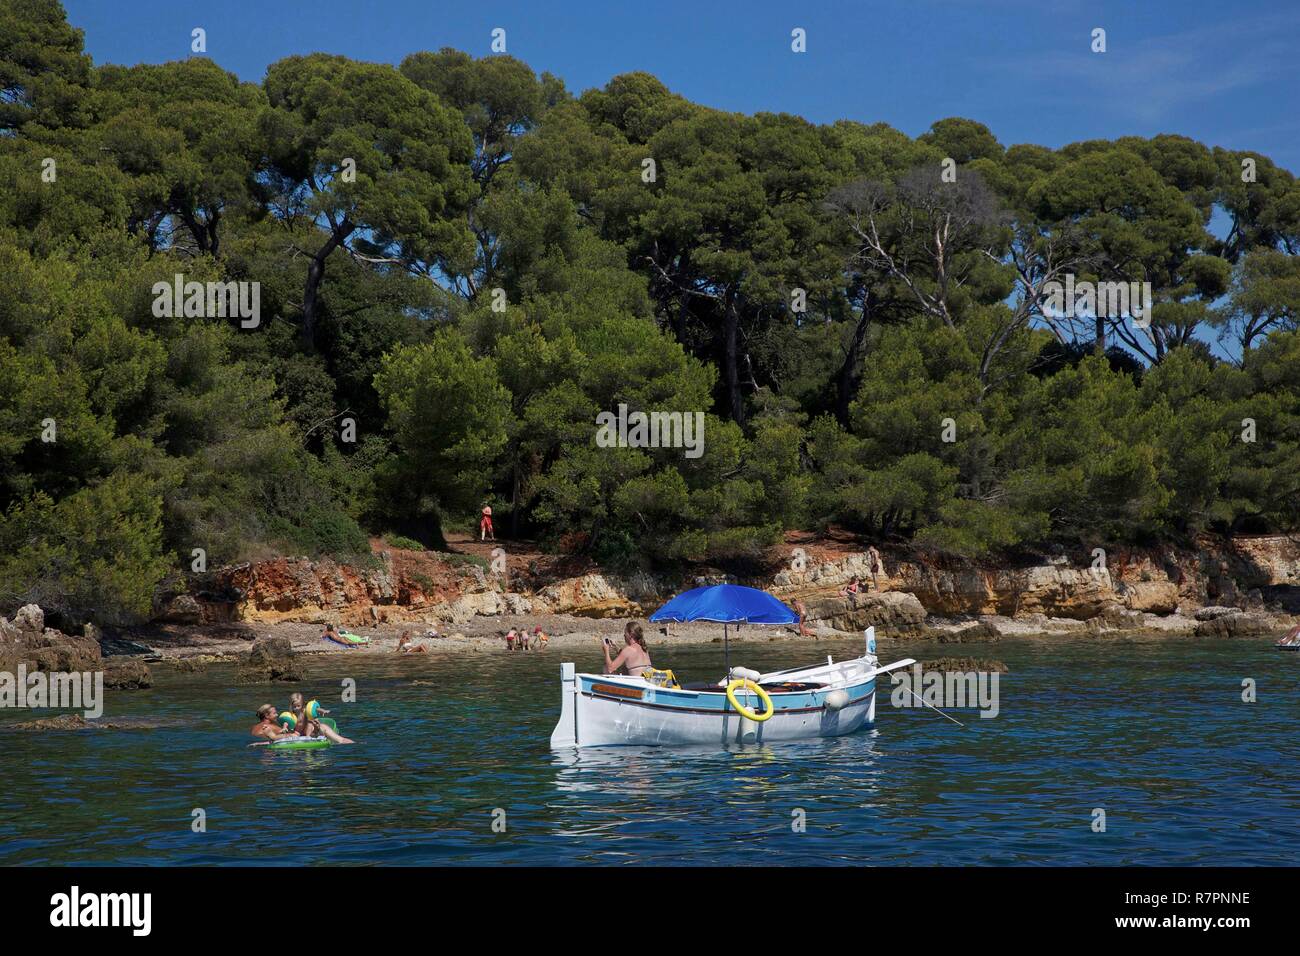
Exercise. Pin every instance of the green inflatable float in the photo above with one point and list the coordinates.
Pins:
(305, 743)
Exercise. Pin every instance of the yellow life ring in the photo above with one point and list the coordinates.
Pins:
(745, 711)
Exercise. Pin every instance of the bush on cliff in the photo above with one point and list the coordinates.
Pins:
(98, 550)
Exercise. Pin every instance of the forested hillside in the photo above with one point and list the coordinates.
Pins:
(459, 264)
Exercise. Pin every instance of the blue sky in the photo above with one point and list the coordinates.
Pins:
(1223, 73)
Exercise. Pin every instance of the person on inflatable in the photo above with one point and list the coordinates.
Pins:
(267, 726)
(310, 727)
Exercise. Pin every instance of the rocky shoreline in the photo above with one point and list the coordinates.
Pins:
(263, 615)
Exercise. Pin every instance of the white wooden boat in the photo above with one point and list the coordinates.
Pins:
(821, 700)
(1291, 642)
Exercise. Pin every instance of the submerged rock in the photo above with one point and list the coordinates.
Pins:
(1241, 624)
(78, 722)
(1214, 612)
(61, 722)
(270, 659)
(965, 665)
(126, 674)
(192, 665)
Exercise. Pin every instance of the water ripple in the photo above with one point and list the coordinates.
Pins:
(1153, 732)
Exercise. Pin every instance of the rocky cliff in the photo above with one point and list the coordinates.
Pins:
(406, 588)
(901, 593)
(27, 641)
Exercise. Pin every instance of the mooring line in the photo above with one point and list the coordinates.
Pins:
(934, 708)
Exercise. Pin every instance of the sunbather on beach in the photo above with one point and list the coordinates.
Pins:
(313, 728)
(330, 634)
(405, 645)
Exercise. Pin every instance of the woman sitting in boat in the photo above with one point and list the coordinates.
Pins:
(634, 657)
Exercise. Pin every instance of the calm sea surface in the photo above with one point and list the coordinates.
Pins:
(1153, 731)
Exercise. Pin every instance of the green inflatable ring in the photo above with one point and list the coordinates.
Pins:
(301, 743)
(306, 743)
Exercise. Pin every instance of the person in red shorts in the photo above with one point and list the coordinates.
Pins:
(485, 525)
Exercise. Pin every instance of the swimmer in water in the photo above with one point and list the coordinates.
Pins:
(267, 726)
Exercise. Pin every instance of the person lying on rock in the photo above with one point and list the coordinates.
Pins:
(267, 726)
(313, 728)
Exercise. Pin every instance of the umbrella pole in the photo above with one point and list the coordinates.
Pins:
(726, 650)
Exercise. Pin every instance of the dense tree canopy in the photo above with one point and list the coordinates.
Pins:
(460, 265)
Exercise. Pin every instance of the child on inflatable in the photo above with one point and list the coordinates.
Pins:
(309, 727)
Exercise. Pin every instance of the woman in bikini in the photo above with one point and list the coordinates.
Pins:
(405, 645)
(634, 657)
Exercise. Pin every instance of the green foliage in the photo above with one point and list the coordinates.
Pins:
(456, 559)
(317, 530)
(448, 414)
(442, 329)
(98, 548)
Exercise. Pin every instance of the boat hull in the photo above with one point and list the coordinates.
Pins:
(603, 711)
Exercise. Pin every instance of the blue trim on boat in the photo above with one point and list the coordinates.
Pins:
(716, 701)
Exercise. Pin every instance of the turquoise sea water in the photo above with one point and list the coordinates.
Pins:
(1153, 731)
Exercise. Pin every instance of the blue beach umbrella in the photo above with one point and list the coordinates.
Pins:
(725, 604)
